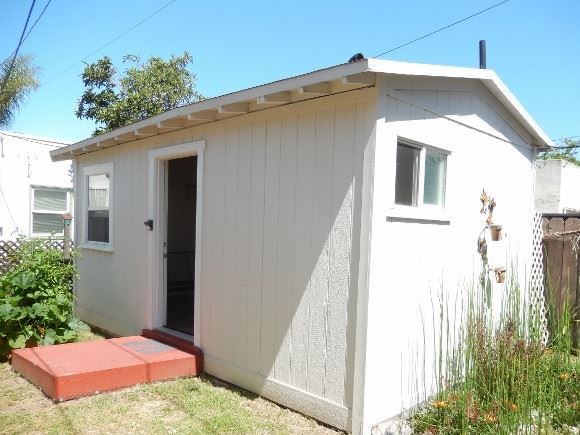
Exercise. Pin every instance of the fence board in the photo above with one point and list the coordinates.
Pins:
(554, 249)
(562, 267)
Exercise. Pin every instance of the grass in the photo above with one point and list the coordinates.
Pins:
(184, 406)
(496, 376)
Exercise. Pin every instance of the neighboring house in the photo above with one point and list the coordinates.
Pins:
(34, 191)
(557, 186)
(295, 231)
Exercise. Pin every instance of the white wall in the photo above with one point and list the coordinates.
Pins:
(413, 255)
(557, 186)
(25, 162)
(279, 261)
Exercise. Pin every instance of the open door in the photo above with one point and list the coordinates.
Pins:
(179, 244)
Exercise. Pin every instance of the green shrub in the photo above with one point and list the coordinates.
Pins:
(36, 299)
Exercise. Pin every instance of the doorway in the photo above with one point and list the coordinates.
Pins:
(179, 244)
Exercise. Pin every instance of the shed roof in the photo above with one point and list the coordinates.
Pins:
(332, 80)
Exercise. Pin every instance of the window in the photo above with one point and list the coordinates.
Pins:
(97, 213)
(420, 176)
(48, 206)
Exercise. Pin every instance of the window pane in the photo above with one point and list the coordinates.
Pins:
(46, 223)
(98, 226)
(434, 187)
(50, 200)
(99, 191)
(406, 175)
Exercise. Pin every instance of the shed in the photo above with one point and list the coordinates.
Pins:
(294, 230)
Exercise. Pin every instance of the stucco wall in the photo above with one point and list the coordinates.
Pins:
(548, 185)
(556, 187)
(415, 253)
(24, 162)
(279, 261)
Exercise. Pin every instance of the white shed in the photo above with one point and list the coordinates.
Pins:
(295, 229)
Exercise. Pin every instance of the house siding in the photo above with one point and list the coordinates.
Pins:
(413, 259)
(279, 258)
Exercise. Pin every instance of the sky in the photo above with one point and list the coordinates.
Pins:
(533, 45)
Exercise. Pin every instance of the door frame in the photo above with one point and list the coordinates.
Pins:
(157, 211)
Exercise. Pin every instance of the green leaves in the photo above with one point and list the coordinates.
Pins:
(144, 90)
(36, 302)
(15, 87)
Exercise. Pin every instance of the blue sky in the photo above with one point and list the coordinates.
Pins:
(532, 44)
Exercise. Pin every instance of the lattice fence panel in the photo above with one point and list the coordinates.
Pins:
(536, 285)
(9, 249)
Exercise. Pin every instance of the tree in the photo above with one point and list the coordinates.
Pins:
(17, 80)
(144, 90)
(566, 152)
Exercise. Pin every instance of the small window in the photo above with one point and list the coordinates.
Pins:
(48, 206)
(97, 213)
(98, 208)
(420, 176)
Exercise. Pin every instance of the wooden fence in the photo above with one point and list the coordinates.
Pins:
(8, 249)
(562, 265)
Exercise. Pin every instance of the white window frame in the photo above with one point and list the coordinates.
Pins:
(103, 168)
(421, 210)
(34, 188)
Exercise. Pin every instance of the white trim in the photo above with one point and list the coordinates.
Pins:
(157, 159)
(35, 187)
(420, 211)
(302, 401)
(487, 77)
(102, 168)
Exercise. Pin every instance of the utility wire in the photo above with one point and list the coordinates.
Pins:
(30, 30)
(441, 29)
(49, 143)
(9, 71)
(115, 39)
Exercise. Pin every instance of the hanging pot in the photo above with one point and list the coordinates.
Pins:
(499, 274)
(495, 231)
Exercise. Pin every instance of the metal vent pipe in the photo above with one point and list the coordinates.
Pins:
(482, 55)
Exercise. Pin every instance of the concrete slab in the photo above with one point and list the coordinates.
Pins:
(72, 370)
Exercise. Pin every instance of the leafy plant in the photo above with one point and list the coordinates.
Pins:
(144, 90)
(36, 301)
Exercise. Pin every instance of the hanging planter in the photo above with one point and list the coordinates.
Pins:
(495, 231)
(500, 274)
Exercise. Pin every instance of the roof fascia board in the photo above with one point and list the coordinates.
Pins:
(323, 75)
(488, 77)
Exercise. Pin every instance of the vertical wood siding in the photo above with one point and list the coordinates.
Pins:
(277, 241)
(280, 204)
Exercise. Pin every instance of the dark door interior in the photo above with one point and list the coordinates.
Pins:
(181, 204)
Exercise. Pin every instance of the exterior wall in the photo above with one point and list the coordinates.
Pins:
(281, 217)
(415, 253)
(25, 162)
(557, 184)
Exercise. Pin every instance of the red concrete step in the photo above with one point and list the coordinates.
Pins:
(72, 370)
(177, 342)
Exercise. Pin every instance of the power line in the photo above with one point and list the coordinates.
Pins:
(30, 30)
(564, 138)
(9, 71)
(47, 142)
(441, 29)
(115, 39)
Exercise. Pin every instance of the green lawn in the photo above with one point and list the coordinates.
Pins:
(184, 406)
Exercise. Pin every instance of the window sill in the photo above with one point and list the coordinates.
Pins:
(427, 214)
(104, 247)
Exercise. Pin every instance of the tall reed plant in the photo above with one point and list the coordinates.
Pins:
(495, 374)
